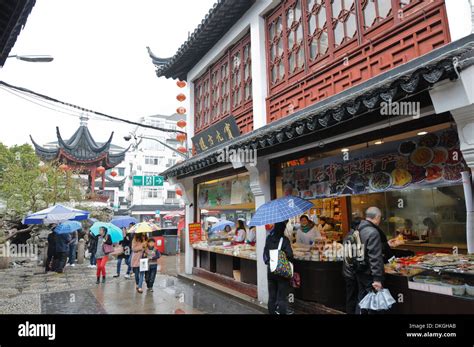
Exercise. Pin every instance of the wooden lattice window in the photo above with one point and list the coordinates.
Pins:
(317, 28)
(277, 53)
(295, 38)
(375, 11)
(344, 21)
(215, 90)
(247, 73)
(236, 61)
(225, 89)
(198, 105)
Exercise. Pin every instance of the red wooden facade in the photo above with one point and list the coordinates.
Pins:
(226, 88)
(318, 48)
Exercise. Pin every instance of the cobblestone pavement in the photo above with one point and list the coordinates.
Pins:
(27, 289)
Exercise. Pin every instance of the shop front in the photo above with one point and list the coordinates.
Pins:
(220, 254)
(415, 178)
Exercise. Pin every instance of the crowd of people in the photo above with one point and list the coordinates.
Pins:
(137, 250)
(367, 276)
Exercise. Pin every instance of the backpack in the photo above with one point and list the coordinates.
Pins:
(354, 253)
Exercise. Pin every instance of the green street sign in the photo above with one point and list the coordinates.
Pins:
(148, 181)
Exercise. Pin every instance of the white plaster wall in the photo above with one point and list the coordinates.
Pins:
(459, 18)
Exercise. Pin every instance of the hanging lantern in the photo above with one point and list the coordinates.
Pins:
(181, 97)
(181, 84)
(63, 167)
(182, 123)
(113, 173)
(181, 137)
(100, 170)
(182, 149)
(181, 110)
(179, 192)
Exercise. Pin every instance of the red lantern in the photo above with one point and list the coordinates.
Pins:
(181, 110)
(182, 149)
(113, 173)
(63, 167)
(181, 137)
(179, 192)
(100, 170)
(182, 123)
(181, 84)
(181, 97)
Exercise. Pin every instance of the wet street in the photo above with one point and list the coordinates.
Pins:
(26, 289)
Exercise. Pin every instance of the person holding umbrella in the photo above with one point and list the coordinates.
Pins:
(126, 243)
(100, 254)
(61, 251)
(278, 287)
(139, 244)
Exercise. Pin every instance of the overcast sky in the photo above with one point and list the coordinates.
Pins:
(100, 63)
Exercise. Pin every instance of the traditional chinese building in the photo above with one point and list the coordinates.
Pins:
(82, 154)
(346, 103)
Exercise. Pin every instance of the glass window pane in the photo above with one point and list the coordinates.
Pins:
(369, 14)
(384, 7)
(351, 26)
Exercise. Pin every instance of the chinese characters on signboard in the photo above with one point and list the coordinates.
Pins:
(195, 233)
(218, 133)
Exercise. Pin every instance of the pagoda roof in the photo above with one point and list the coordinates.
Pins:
(220, 18)
(81, 148)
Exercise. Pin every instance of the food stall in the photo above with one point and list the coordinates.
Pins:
(217, 257)
(414, 178)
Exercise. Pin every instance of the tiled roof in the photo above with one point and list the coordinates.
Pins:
(221, 17)
(13, 16)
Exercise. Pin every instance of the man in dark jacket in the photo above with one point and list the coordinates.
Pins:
(377, 252)
(62, 249)
(48, 266)
(349, 273)
(278, 287)
(92, 248)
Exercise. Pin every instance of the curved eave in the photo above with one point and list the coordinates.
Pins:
(44, 153)
(348, 106)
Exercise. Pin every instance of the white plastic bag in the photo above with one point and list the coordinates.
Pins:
(143, 264)
(379, 301)
(274, 256)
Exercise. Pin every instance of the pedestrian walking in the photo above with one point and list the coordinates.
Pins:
(349, 273)
(278, 287)
(92, 248)
(126, 244)
(73, 248)
(101, 254)
(61, 251)
(139, 244)
(377, 251)
(48, 266)
(153, 255)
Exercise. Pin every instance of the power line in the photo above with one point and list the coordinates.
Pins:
(24, 90)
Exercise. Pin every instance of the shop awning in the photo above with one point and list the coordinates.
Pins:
(345, 110)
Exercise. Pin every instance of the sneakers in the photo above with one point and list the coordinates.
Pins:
(115, 276)
(150, 289)
(103, 279)
(72, 265)
(127, 277)
(98, 280)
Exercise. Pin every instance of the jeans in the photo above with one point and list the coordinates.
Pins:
(278, 289)
(150, 276)
(101, 262)
(127, 262)
(59, 261)
(72, 253)
(93, 259)
(139, 276)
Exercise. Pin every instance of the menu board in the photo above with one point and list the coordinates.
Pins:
(229, 192)
(195, 233)
(425, 161)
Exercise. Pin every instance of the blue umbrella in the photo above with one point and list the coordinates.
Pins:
(67, 227)
(55, 214)
(280, 210)
(123, 221)
(221, 225)
(114, 231)
(93, 220)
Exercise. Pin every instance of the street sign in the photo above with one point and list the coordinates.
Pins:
(148, 181)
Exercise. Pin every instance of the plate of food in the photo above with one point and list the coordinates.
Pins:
(429, 140)
(418, 173)
(380, 181)
(440, 155)
(452, 173)
(401, 178)
(422, 156)
(434, 173)
(449, 139)
(406, 148)
(357, 183)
